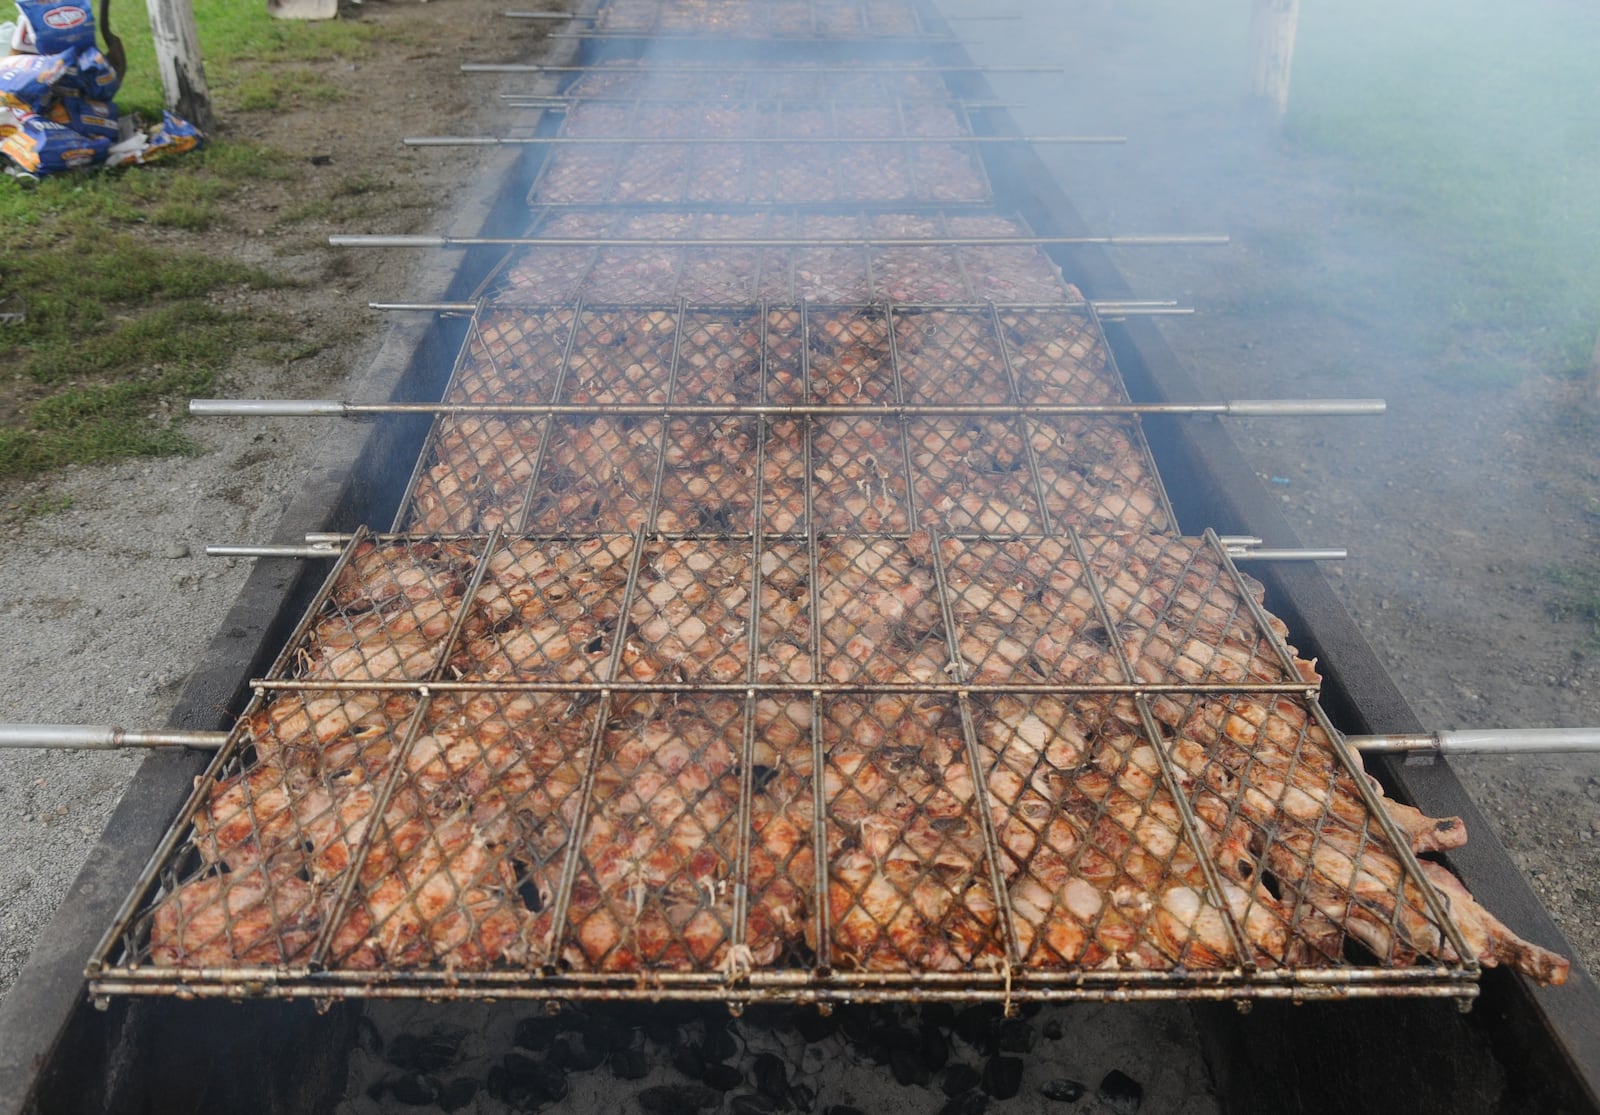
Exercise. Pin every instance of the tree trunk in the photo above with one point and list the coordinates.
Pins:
(1272, 28)
(183, 77)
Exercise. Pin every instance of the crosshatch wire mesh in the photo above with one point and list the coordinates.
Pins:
(972, 273)
(690, 468)
(830, 766)
(942, 171)
(829, 19)
(794, 80)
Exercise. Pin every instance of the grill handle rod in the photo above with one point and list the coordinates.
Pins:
(1485, 741)
(86, 737)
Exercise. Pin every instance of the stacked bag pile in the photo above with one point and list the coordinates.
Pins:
(56, 89)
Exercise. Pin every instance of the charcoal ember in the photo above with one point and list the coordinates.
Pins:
(679, 1099)
(723, 1077)
(843, 1109)
(598, 1036)
(517, 1087)
(535, 1034)
(976, 1025)
(972, 1103)
(413, 1089)
(1015, 1036)
(456, 1094)
(630, 1064)
(687, 1059)
(754, 1105)
(770, 1076)
(1120, 1092)
(935, 1049)
(425, 1053)
(1062, 1090)
(1053, 1030)
(802, 1098)
(721, 1044)
(942, 1015)
(368, 1040)
(909, 1068)
(959, 1078)
(573, 1052)
(1002, 1076)
(813, 1026)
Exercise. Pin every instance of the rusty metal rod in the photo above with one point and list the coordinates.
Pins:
(1489, 741)
(388, 240)
(730, 141)
(325, 408)
(87, 737)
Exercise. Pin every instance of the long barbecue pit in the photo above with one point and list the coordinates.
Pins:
(782, 602)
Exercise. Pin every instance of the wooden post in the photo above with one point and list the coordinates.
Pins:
(183, 77)
(1272, 27)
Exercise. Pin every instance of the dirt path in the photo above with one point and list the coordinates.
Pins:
(106, 604)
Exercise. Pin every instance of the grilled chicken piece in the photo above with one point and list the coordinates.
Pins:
(1489, 939)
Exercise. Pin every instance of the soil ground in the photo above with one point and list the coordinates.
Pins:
(1454, 505)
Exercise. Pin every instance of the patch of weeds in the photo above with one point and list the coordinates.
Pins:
(35, 506)
(188, 334)
(189, 216)
(1577, 598)
(93, 425)
(359, 185)
(249, 162)
(271, 90)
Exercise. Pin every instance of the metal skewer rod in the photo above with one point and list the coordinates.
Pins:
(334, 408)
(385, 240)
(1115, 309)
(84, 737)
(625, 36)
(559, 102)
(309, 550)
(727, 141)
(539, 68)
(1250, 553)
(1490, 741)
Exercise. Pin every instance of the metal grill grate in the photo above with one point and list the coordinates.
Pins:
(835, 767)
(688, 419)
(783, 19)
(791, 81)
(849, 172)
(742, 273)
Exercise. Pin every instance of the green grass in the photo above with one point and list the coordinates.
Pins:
(1577, 598)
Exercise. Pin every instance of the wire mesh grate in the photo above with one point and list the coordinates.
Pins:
(777, 766)
(779, 19)
(744, 273)
(839, 165)
(792, 81)
(732, 439)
